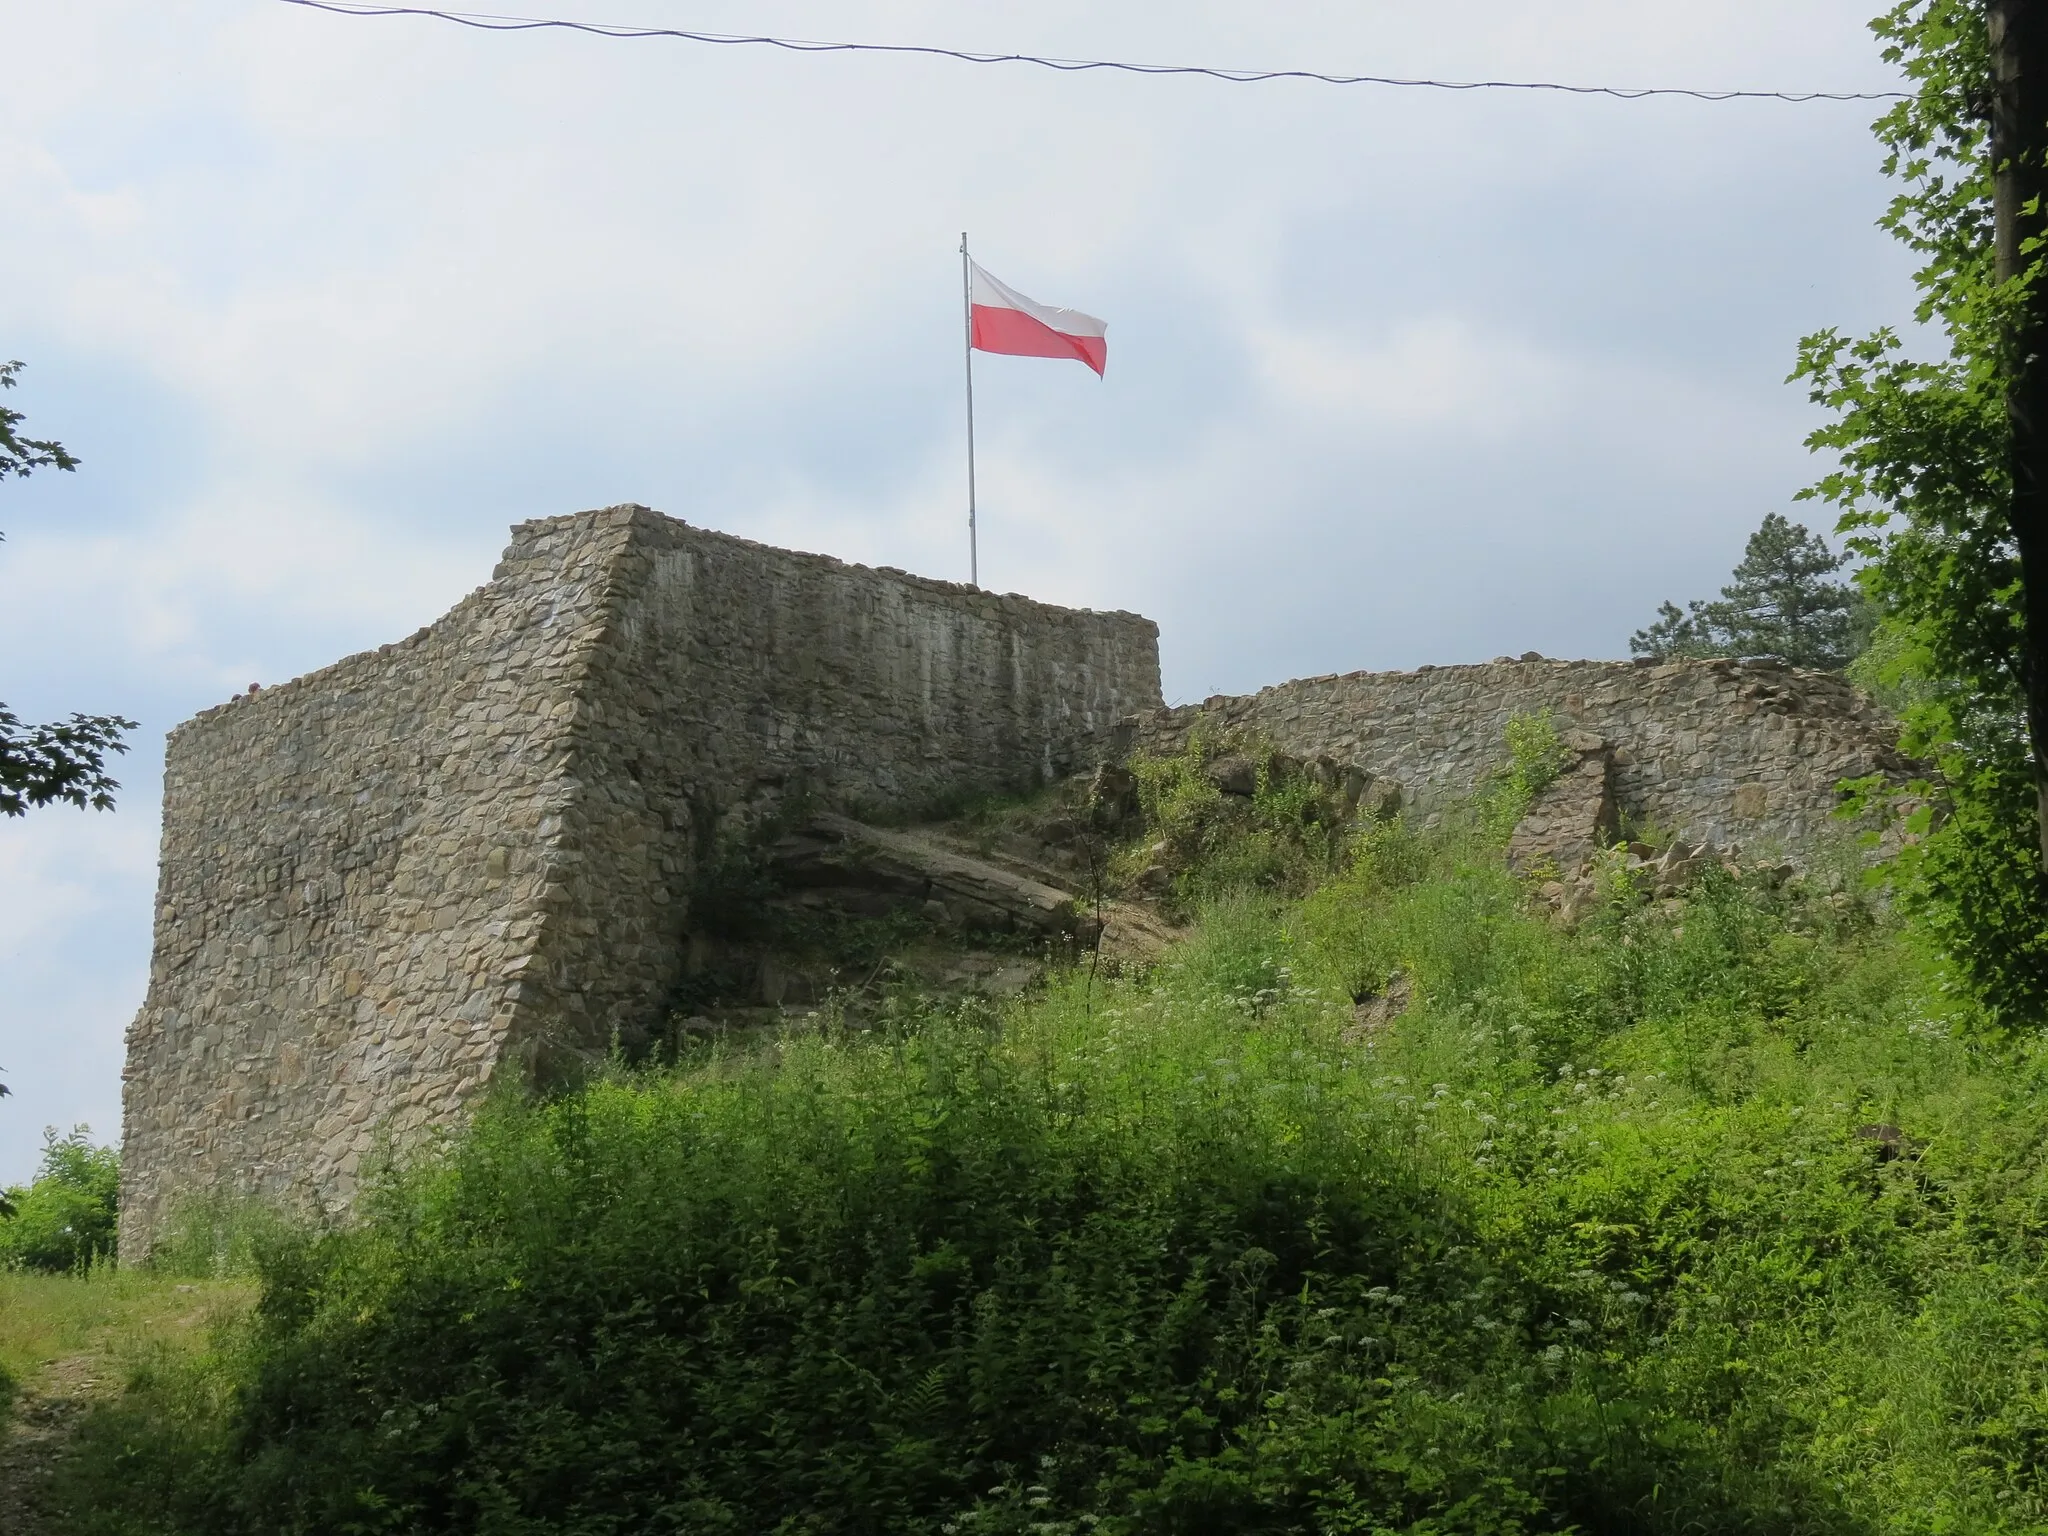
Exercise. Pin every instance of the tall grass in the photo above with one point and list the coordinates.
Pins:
(107, 1323)
(1722, 1218)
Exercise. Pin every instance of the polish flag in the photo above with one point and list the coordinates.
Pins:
(1003, 320)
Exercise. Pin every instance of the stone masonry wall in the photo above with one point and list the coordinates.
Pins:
(382, 882)
(1737, 752)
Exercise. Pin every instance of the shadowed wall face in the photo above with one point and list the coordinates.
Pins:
(384, 880)
(732, 678)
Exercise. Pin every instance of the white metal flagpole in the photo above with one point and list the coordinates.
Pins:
(967, 315)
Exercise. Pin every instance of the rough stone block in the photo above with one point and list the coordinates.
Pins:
(1570, 819)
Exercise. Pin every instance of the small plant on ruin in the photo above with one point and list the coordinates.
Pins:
(1537, 754)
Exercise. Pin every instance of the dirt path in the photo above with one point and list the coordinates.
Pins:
(45, 1415)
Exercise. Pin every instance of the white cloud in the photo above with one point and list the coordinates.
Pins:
(1434, 371)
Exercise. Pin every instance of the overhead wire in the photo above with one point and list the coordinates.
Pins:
(491, 22)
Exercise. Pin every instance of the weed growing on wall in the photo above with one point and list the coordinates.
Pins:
(1280, 830)
(1536, 756)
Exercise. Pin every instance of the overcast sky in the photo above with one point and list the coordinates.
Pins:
(1395, 376)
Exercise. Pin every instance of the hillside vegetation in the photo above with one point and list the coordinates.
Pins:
(1714, 1215)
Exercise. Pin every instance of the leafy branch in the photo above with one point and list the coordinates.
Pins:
(65, 761)
(19, 455)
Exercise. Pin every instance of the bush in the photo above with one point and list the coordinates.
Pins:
(66, 1219)
(217, 1235)
(1590, 1239)
(1536, 756)
(948, 1280)
(1975, 884)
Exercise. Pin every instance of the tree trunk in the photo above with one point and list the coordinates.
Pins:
(2019, 155)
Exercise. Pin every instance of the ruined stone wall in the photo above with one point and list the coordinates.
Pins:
(382, 882)
(1737, 752)
(388, 881)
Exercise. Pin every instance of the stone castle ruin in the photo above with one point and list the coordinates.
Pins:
(387, 883)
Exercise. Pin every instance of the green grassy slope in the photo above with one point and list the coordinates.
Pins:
(1706, 1218)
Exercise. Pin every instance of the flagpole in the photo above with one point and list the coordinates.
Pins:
(967, 315)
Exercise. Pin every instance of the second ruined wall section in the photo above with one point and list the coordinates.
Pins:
(1743, 752)
(732, 679)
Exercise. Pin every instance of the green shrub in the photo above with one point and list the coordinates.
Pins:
(1283, 838)
(1440, 908)
(896, 1287)
(1975, 885)
(65, 1220)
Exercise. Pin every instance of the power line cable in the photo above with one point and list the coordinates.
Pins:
(490, 22)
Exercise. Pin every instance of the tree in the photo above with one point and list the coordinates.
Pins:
(1780, 604)
(1926, 455)
(66, 760)
(2016, 32)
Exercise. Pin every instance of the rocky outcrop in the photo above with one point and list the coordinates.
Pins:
(860, 867)
(1372, 1012)
(1347, 788)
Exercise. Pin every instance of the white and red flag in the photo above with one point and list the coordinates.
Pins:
(1000, 319)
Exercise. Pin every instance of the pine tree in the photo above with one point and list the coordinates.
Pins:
(1781, 604)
